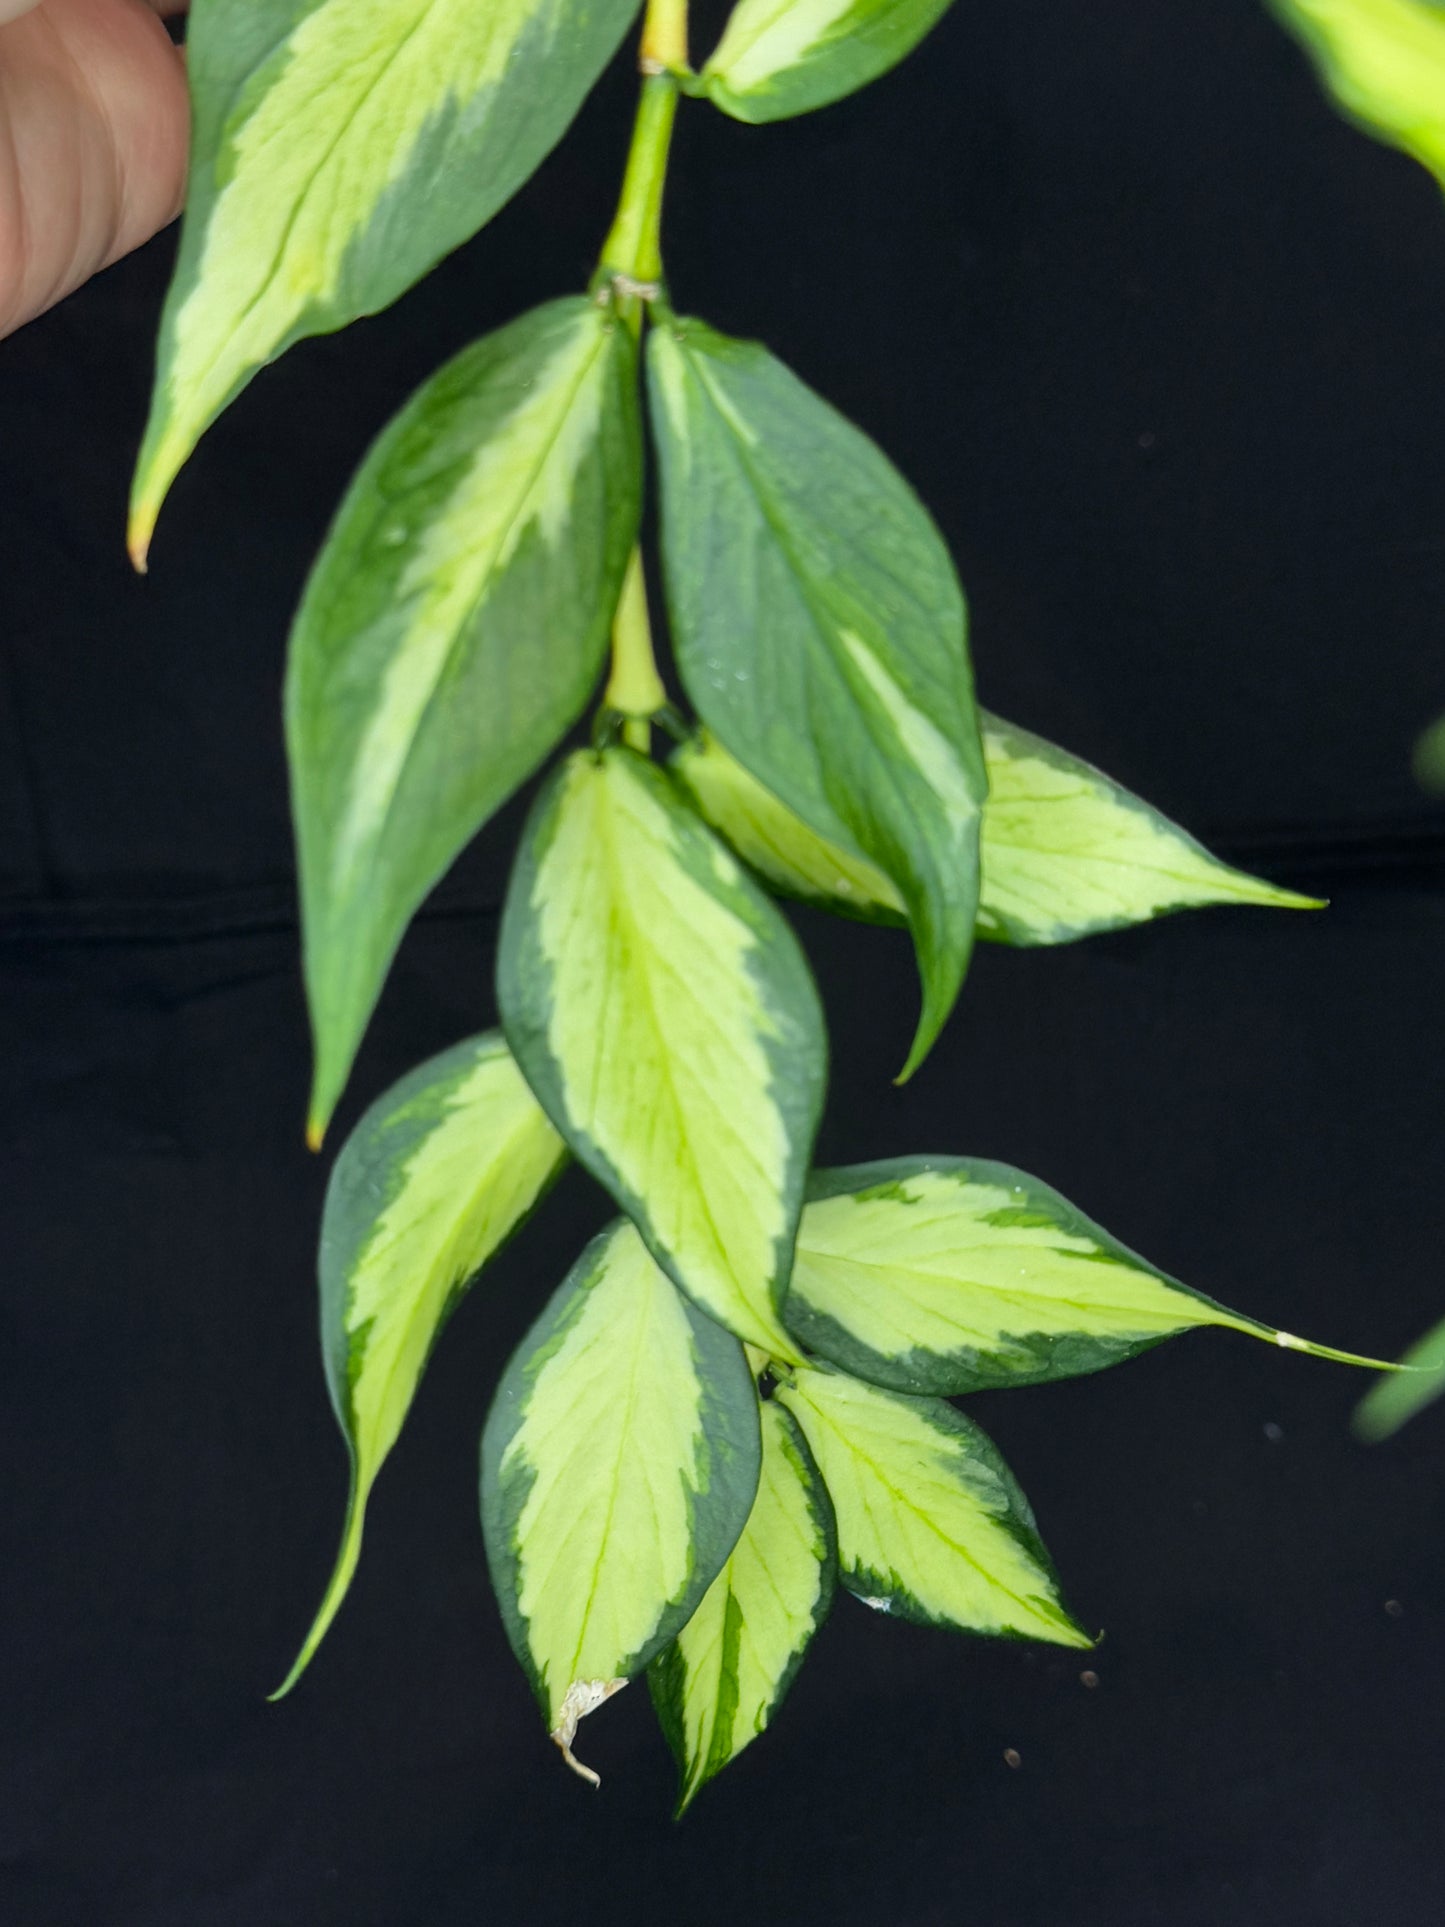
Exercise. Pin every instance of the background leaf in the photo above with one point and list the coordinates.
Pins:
(1066, 852)
(451, 632)
(619, 1464)
(931, 1522)
(950, 1275)
(820, 630)
(1391, 1401)
(1384, 63)
(717, 1686)
(666, 1018)
(783, 57)
(339, 149)
(432, 1182)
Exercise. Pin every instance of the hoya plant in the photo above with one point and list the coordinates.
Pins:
(739, 1398)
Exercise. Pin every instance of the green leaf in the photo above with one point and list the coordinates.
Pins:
(948, 1275)
(435, 1178)
(340, 148)
(663, 1013)
(1391, 1401)
(820, 630)
(1384, 63)
(619, 1464)
(717, 1686)
(1066, 852)
(783, 57)
(777, 845)
(932, 1525)
(451, 632)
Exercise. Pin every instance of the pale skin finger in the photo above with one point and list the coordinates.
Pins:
(93, 129)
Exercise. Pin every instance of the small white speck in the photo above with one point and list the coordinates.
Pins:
(1274, 1433)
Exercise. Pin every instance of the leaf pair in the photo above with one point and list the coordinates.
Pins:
(642, 1510)
(341, 148)
(455, 625)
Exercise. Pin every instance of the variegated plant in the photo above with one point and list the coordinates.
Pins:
(738, 1398)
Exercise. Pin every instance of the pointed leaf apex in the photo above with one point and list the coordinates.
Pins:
(930, 1023)
(138, 540)
(1289, 1343)
(336, 1590)
(315, 1132)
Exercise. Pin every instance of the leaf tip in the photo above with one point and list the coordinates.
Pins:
(315, 1132)
(138, 539)
(918, 1050)
(1275, 897)
(308, 1652)
(582, 1697)
(1289, 1343)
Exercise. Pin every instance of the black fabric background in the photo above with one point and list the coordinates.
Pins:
(1158, 339)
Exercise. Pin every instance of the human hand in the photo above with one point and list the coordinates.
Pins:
(94, 121)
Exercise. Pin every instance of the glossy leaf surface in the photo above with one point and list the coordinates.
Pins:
(782, 57)
(820, 630)
(339, 149)
(951, 1275)
(665, 1016)
(717, 1686)
(932, 1525)
(1066, 852)
(451, 632)
(619, 1465)
(432, 1182)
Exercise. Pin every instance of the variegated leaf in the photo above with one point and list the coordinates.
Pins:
(432, 1182)
(664, 1014)
(776, 843)
(619, 1464)
(820, 630)
(1065, 851)
(950, 1275)
(932, 1525)
(340, 148)
(783, 57)
(717, 1686)
(1068, 852)
(1384, 63)
(451, 632)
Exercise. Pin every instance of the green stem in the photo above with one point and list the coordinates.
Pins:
(632, 262)
(634, 689)
(633, 249)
